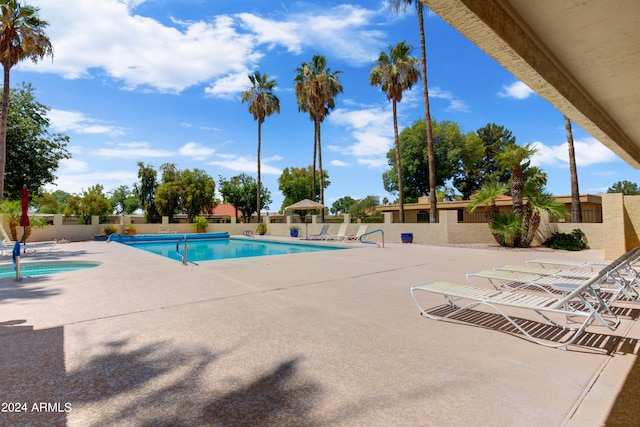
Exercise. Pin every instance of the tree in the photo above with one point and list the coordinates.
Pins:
(241, 192)
(33, 154)
(512, 157)
(625, 187)
(363, 207)
(90, 203)
(395, 72)
(342, 205)
(145, 191)
(51, 203)
(124, 201)
(576, 210)
(415, 166)
(316, 88)
(396, 4)
(187, 191)
(295, 184)
(22, 36)
(262, 103)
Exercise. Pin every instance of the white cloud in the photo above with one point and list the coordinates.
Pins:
(455, 105)
(76, 183)
(132, 151)
(339, 163)
(66, 121)
(588, 152)
(246, 164)
(193, 149)
(106, 37)
(517, 90)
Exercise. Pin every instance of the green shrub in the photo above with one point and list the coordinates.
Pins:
(574, 241)
(109, 229)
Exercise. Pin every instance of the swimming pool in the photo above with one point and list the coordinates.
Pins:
(42, 268)
(217, 248)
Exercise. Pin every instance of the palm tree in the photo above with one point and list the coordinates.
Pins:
(262, 103)
(538, 201)
(21, 36)
(396, 72)
(396, 5)
(316, 88)
(512, 157)
(576, 209)
(487, 196)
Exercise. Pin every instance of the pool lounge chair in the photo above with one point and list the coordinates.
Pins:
(620, 279)
(361, 230)
(562, 310)
(340, 236)
(324, 232)
(27, 248)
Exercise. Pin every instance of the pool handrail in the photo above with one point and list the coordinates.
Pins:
(371, 232)
(112, 235)
(184, 257)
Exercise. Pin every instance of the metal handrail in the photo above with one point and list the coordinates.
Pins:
(371, 232)
(112, 235)
(184, 257)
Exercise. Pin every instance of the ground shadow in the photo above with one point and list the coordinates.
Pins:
(155, 384)
(542, 331)
(24, 289)
(626, 411)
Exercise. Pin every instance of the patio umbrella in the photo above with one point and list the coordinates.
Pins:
(305, 205)
(24, 217)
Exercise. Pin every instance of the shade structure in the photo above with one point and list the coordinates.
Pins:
(305, 205)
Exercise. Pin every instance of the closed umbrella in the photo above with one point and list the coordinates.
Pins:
(305, 205)
(24, 217)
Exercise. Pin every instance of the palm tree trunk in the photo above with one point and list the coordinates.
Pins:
(320, 170)
(6, 92)
(576, 209)
(315, 154)
(427, 119)
(398, 164)
(259, 143)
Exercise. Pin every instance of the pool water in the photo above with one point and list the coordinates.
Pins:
(28, 269)
(216, 249)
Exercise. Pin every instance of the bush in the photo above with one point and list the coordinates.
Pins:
(109, 229)
(574, 241)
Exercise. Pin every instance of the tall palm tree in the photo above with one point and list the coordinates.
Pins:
(576, 209)
(262, 103)
(396, 5)
(21, 36)
(396, 72)
(316, 88)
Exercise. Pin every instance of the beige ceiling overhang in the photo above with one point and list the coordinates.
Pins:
(583, 56)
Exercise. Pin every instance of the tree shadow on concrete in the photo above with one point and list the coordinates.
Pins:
(11, 290)
(156, 384)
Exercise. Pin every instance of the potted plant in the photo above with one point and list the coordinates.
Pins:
(293, 231)
(200, 223)
(261, 229)
(129, 229)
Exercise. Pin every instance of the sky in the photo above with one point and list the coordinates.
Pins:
(159, 81)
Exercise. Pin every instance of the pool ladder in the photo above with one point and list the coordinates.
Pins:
(184, 257)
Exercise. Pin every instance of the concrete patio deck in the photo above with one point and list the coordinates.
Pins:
(318, 339)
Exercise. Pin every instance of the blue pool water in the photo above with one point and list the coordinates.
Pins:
(216, 249)
(42, 268)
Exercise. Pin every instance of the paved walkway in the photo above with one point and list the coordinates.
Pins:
(317, 339)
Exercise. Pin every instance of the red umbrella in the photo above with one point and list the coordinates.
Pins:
(24, 218)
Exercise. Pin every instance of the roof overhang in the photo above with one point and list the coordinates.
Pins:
(581, 56)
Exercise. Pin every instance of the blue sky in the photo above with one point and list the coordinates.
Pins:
(160, 80)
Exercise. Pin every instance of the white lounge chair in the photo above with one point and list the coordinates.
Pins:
(361, 230)
(324, 232)
(29, 247)
(563, 310)
(341, 235)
